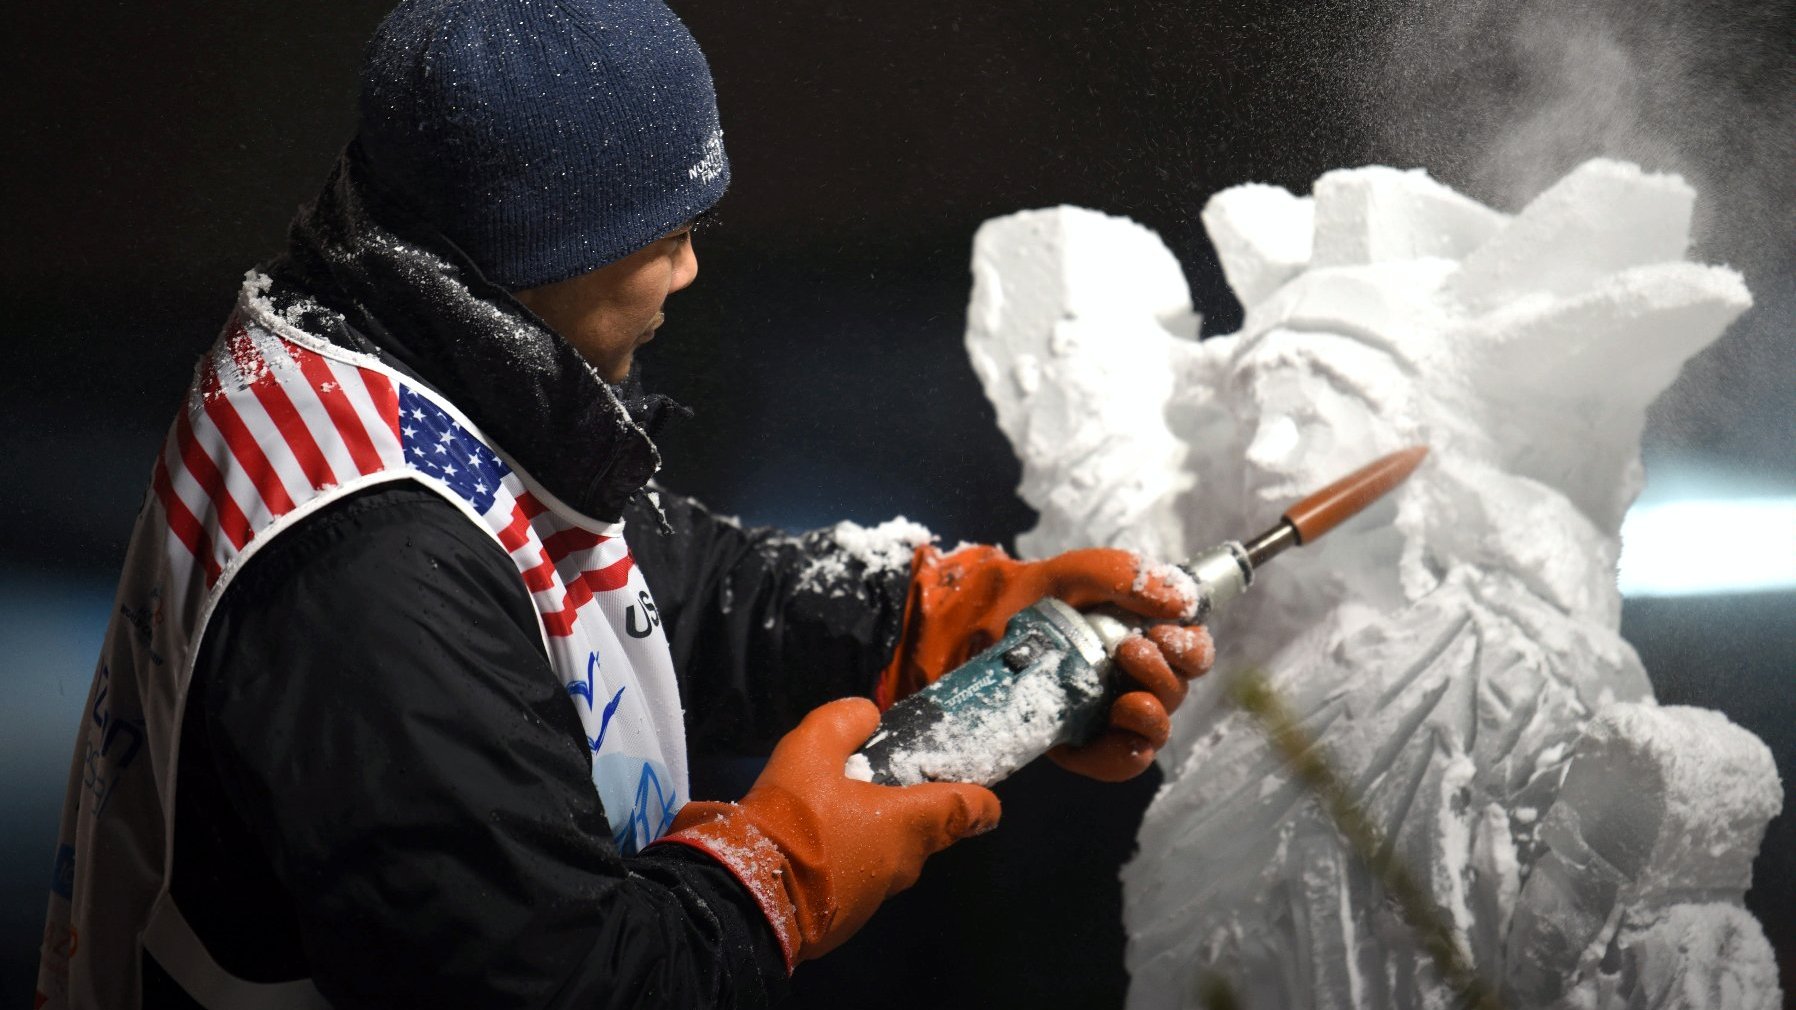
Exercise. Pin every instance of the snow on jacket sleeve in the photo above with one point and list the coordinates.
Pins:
(766, 626)
(382, 717)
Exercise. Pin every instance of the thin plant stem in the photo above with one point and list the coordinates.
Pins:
(1255, 694)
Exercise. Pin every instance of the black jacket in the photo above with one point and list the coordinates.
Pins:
(382, 784)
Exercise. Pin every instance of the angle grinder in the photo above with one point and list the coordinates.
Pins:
(1050, 679)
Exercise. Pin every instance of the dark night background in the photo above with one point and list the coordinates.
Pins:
(155, 151)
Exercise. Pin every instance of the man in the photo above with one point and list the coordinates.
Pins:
(389, 713)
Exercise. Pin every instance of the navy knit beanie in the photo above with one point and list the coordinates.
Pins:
(545, 138)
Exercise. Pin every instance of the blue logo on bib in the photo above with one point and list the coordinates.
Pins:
(639, 798)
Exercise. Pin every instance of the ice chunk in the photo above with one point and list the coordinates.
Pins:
(1068, 307)
(1446, 651)
(1603, 217)
(1262, 235)
(1068, 261)
(1375, 214)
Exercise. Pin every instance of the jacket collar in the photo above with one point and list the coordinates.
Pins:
(363, 272)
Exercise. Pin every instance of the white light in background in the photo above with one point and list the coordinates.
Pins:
(1721, 545)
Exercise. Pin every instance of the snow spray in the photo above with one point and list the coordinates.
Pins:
(1050, 679)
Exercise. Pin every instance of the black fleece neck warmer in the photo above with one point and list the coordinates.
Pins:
(365, 273)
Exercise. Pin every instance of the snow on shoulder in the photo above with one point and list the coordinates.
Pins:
(862, 552)
(886, 546)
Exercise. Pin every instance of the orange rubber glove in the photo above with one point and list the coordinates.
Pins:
(1162, 659)
(820, 851)
(960, 601)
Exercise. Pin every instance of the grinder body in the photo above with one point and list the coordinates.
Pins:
(1049, 680)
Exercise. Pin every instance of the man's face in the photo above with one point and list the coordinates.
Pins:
(609, 312)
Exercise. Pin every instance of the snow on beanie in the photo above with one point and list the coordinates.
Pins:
(545, 138)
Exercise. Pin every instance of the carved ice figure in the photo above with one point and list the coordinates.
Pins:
(1455, 651)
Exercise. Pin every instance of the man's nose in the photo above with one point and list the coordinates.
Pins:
(685, 266)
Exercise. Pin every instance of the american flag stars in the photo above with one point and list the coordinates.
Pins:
(434, 442)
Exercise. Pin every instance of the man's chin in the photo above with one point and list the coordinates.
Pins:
(625, 375)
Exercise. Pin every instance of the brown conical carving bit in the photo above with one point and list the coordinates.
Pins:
(1303, 522)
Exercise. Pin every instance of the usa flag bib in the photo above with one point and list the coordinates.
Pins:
(278, 424)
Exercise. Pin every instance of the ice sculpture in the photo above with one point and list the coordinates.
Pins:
(1455, 652)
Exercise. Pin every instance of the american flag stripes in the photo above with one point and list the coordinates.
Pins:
(540, 542)
(273, 424)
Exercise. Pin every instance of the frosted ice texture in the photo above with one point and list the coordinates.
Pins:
(1455, 650)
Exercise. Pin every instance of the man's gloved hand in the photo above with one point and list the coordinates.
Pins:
(960, 602)
(819, 851)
